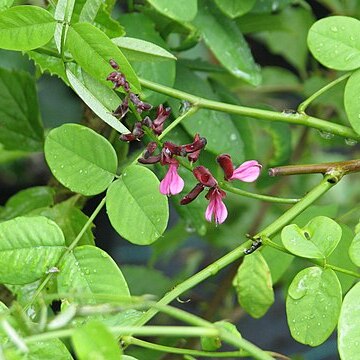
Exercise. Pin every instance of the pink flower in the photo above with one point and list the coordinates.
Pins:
(172, 183)
(216, 207)
(248, 171)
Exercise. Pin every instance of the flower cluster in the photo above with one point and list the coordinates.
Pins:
(169, 153)
(172, 183)
(248, 172)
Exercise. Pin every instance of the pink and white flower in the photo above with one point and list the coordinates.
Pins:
(216, 208)
(172, 183)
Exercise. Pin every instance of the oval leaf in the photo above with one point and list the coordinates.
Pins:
(316, 240)
(93, 50)
(227, 43)
(354, 250)
(25, 28)
(141, 50)
(184, 10)
(334, 42)
(235, 8)
(94, 341)
(91, 273)
(29, 246)
(135, 207)
(313, 305)
(351, 100)
(253, 285)
(80, 159)
(349, 325)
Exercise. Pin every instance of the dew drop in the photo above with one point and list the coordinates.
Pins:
(326, 135)
(334, 29)
(350, 142)
(233, 137)
(80, 171)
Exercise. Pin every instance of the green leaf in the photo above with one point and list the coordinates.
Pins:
(349, 325)
(182, 11)
(235, 8)
(160, 72)
(136, 208)
(94, 341)
(269, 6)
(51, 64)
(29, 246)
(70, 219)
(221, 134)
(227, 43)
(141, 50)
(41, 350)
(340, 257)
(93, 50)
(20, 123)
(63, 13)
(25, 28)
(27, 200)
(99, 107)
(334, 42)
(107, 24)
(91, 276)
(82, 160)
(317, 239)
(352, 105)
(354, 250)
(89, 10)
(5, 4)
(253, 285)
(313, 305)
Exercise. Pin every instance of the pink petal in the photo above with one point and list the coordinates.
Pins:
(216, 208)
(209, 210)
(172, 183)
(248, 171)
(221, 212)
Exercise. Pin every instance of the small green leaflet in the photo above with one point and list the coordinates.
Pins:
(351, 100)
(354, 250)
(182, 11)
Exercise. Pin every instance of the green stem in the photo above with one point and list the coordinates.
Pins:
(267, 198)
(302, 107)
(177, 121)
(325, 185)
(168, 349)
(67, 251)
(297, 118)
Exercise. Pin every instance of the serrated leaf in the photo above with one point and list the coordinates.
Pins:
(182, 11)
(317, 239)
(354, 250)
(80, 159)
(25, 28)
(221, 134)
(93, 50)
(141, 50)
(334, 42)
(89, 273)
(29, 246)
(136, 208)
(227, 43)
(235, 8)
(20, 123)
(351, 100)
(253, 285)
(313, 305)
(349, 325)
(95, 104)
(27, 200)
(94, 341)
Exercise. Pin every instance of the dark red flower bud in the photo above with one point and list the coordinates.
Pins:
(194, 148)
(162, 115)
(213, 191)
(140, 105)
(226, 164)
(147, 122)
(150, 148)
(150, 160)
(192, 195)
(114, 64)
(118, 79)
(127, 137)
(122, 109)
(204, 176)
(138, 131)
(174, 149)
